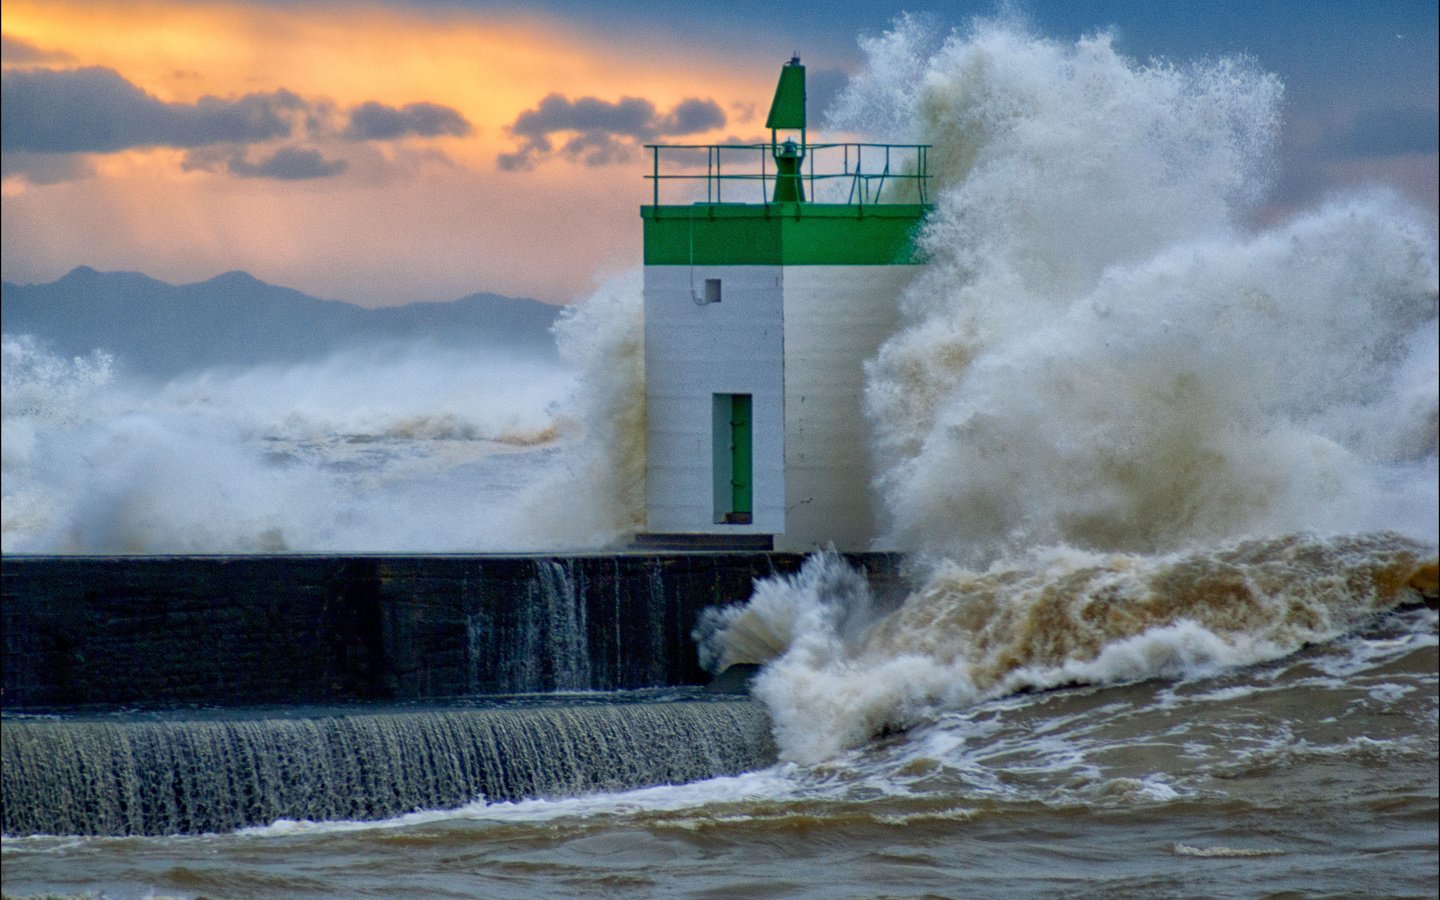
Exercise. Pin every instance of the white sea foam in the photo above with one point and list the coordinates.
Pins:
(711, 795)
(1226, 852)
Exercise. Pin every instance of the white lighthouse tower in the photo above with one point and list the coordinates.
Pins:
(763, 299)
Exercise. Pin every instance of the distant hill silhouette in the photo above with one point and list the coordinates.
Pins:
(157, 329)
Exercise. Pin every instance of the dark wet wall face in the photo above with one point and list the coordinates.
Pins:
(237, 631)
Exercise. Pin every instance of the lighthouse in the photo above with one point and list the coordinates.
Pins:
(771, 276)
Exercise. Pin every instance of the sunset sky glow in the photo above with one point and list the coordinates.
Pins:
(394, 151)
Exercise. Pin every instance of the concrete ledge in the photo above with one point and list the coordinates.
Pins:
(705, 542)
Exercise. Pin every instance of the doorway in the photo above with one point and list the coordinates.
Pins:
(733, 459)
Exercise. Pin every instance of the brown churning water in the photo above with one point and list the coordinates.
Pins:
(839, 673)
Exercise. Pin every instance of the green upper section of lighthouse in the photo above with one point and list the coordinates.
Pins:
(786, 202)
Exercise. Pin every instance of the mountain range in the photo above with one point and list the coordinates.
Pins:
(156, 329)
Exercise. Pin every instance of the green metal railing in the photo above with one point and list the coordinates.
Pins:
(851, 173)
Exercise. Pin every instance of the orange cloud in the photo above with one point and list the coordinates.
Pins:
(422, 218)
(491, 66)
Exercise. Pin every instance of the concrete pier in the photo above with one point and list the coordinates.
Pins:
(249, 630)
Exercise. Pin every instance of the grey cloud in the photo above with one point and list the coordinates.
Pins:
(288, 164)
(95, 110)
(51, 113)
(601, 131)
(693, 117)
(377, 122)
(598, 148)
(45, 168)
(628, 116)
(521, 159)
(17, 52)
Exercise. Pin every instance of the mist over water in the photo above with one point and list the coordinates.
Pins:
(378, 448)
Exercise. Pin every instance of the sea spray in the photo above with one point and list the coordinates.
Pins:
(1098, 354)
(1125, 433)
(1219, 389)
(595, 493)
(42, 392)
(384, 447)
(826, 595)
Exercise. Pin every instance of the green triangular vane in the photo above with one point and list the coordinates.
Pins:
(788, 108)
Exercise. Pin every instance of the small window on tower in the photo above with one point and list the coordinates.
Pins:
(712, 290)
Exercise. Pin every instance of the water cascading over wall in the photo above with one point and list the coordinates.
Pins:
(127, 777)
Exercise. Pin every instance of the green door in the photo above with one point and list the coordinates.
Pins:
(733, 460)
(741, 476)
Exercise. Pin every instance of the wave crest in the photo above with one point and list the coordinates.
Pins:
(836, 675)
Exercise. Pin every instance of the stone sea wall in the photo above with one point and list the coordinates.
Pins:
(255, 630)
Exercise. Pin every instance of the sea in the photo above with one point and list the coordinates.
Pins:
(1163, 462)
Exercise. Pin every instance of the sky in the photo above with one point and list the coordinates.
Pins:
(420, 150)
